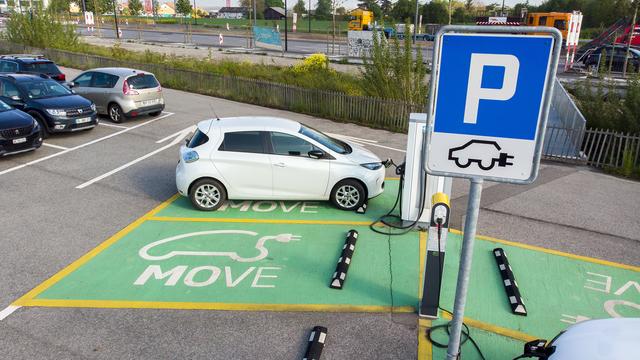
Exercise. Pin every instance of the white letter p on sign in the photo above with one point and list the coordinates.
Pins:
(475, 91)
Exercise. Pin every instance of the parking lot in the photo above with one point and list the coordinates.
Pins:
(90, 268)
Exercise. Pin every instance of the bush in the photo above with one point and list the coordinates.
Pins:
(40, 29)
(604, 108)
(392, 73)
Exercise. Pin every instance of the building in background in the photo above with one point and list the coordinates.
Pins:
(233, 13)
(166, 10)
(274, 13)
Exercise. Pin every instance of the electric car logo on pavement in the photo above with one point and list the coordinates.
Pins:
(486, 154)
(263, 252)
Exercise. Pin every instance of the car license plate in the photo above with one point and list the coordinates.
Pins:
(19, 140)
(83, 120)
(150, 102)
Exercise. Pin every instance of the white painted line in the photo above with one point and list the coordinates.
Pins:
(351, 138)
(8, 311)
(380, 146)
(178, 136)
(55, 146)
(83, 145)
(113, 125)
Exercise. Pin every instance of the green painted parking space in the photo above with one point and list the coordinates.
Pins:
(287, 210)
(270, 264)
(558, 289)
(244, 258)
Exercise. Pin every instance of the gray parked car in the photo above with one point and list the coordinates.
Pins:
(120, 92)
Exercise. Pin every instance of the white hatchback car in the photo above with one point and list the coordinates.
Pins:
(267, 158)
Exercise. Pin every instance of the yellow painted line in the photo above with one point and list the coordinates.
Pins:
(554, 252)
(88, 256)
(425, 349)
(116, 304)
(258, 221)
(391, 178)
(514, 334)
(423, 251)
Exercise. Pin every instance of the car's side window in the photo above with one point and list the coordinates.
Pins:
(102, 80)
(243, 141)
(8, 89)
(8, 66)
(285, 144)
(83, 80)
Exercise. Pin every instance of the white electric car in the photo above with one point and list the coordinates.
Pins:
(267, 158)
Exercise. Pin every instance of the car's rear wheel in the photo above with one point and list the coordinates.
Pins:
(115, 113)
(155, 113)
(43, 128)
(348, 195)
(207, 194)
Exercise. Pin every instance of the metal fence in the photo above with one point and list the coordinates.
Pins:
(565, 128)
(374, 112)
(563, 140)
(605, 148)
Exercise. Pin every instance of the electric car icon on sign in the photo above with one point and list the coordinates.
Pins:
(484, 153)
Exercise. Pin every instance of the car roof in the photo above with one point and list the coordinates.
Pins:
(246, 123)
(25, 59)
(24, 76)
(119, 71)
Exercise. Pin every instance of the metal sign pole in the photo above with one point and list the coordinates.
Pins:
(464, 271)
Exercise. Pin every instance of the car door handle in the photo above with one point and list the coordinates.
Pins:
(280, 164)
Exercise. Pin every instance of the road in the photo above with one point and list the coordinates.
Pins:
(296, 46)
(65, 199)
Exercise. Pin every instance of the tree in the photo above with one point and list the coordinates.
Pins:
(459, 15)
(385, 7)
(341, 11)
(59, 6)
(259, 7)
(372, 6)
(274, 3)
(300, 7)
(435, 12)
(404, 9)
(135, 7)
(183, 7)
(323, 10)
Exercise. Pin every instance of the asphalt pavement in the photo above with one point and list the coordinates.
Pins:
(49, 223)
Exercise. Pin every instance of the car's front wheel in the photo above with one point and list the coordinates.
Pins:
(115, 113)
(43, 129)
(207, 194)
(348, 195)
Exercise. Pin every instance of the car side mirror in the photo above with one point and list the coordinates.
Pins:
(187, 141)
(316, 154)
(72, 84)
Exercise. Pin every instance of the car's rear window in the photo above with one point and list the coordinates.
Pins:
(198, 139)
(243, 141)
(42, 67)
(145, 81)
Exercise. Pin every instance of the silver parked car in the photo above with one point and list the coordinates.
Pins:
(120, 92)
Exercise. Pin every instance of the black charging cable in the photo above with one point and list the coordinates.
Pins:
(384, 219)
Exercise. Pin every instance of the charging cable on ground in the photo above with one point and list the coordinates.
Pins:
(400, 170)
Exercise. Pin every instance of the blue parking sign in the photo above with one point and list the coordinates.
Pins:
(487, 104)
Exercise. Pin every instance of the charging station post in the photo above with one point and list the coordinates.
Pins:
(487, 114)
(434, 259)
